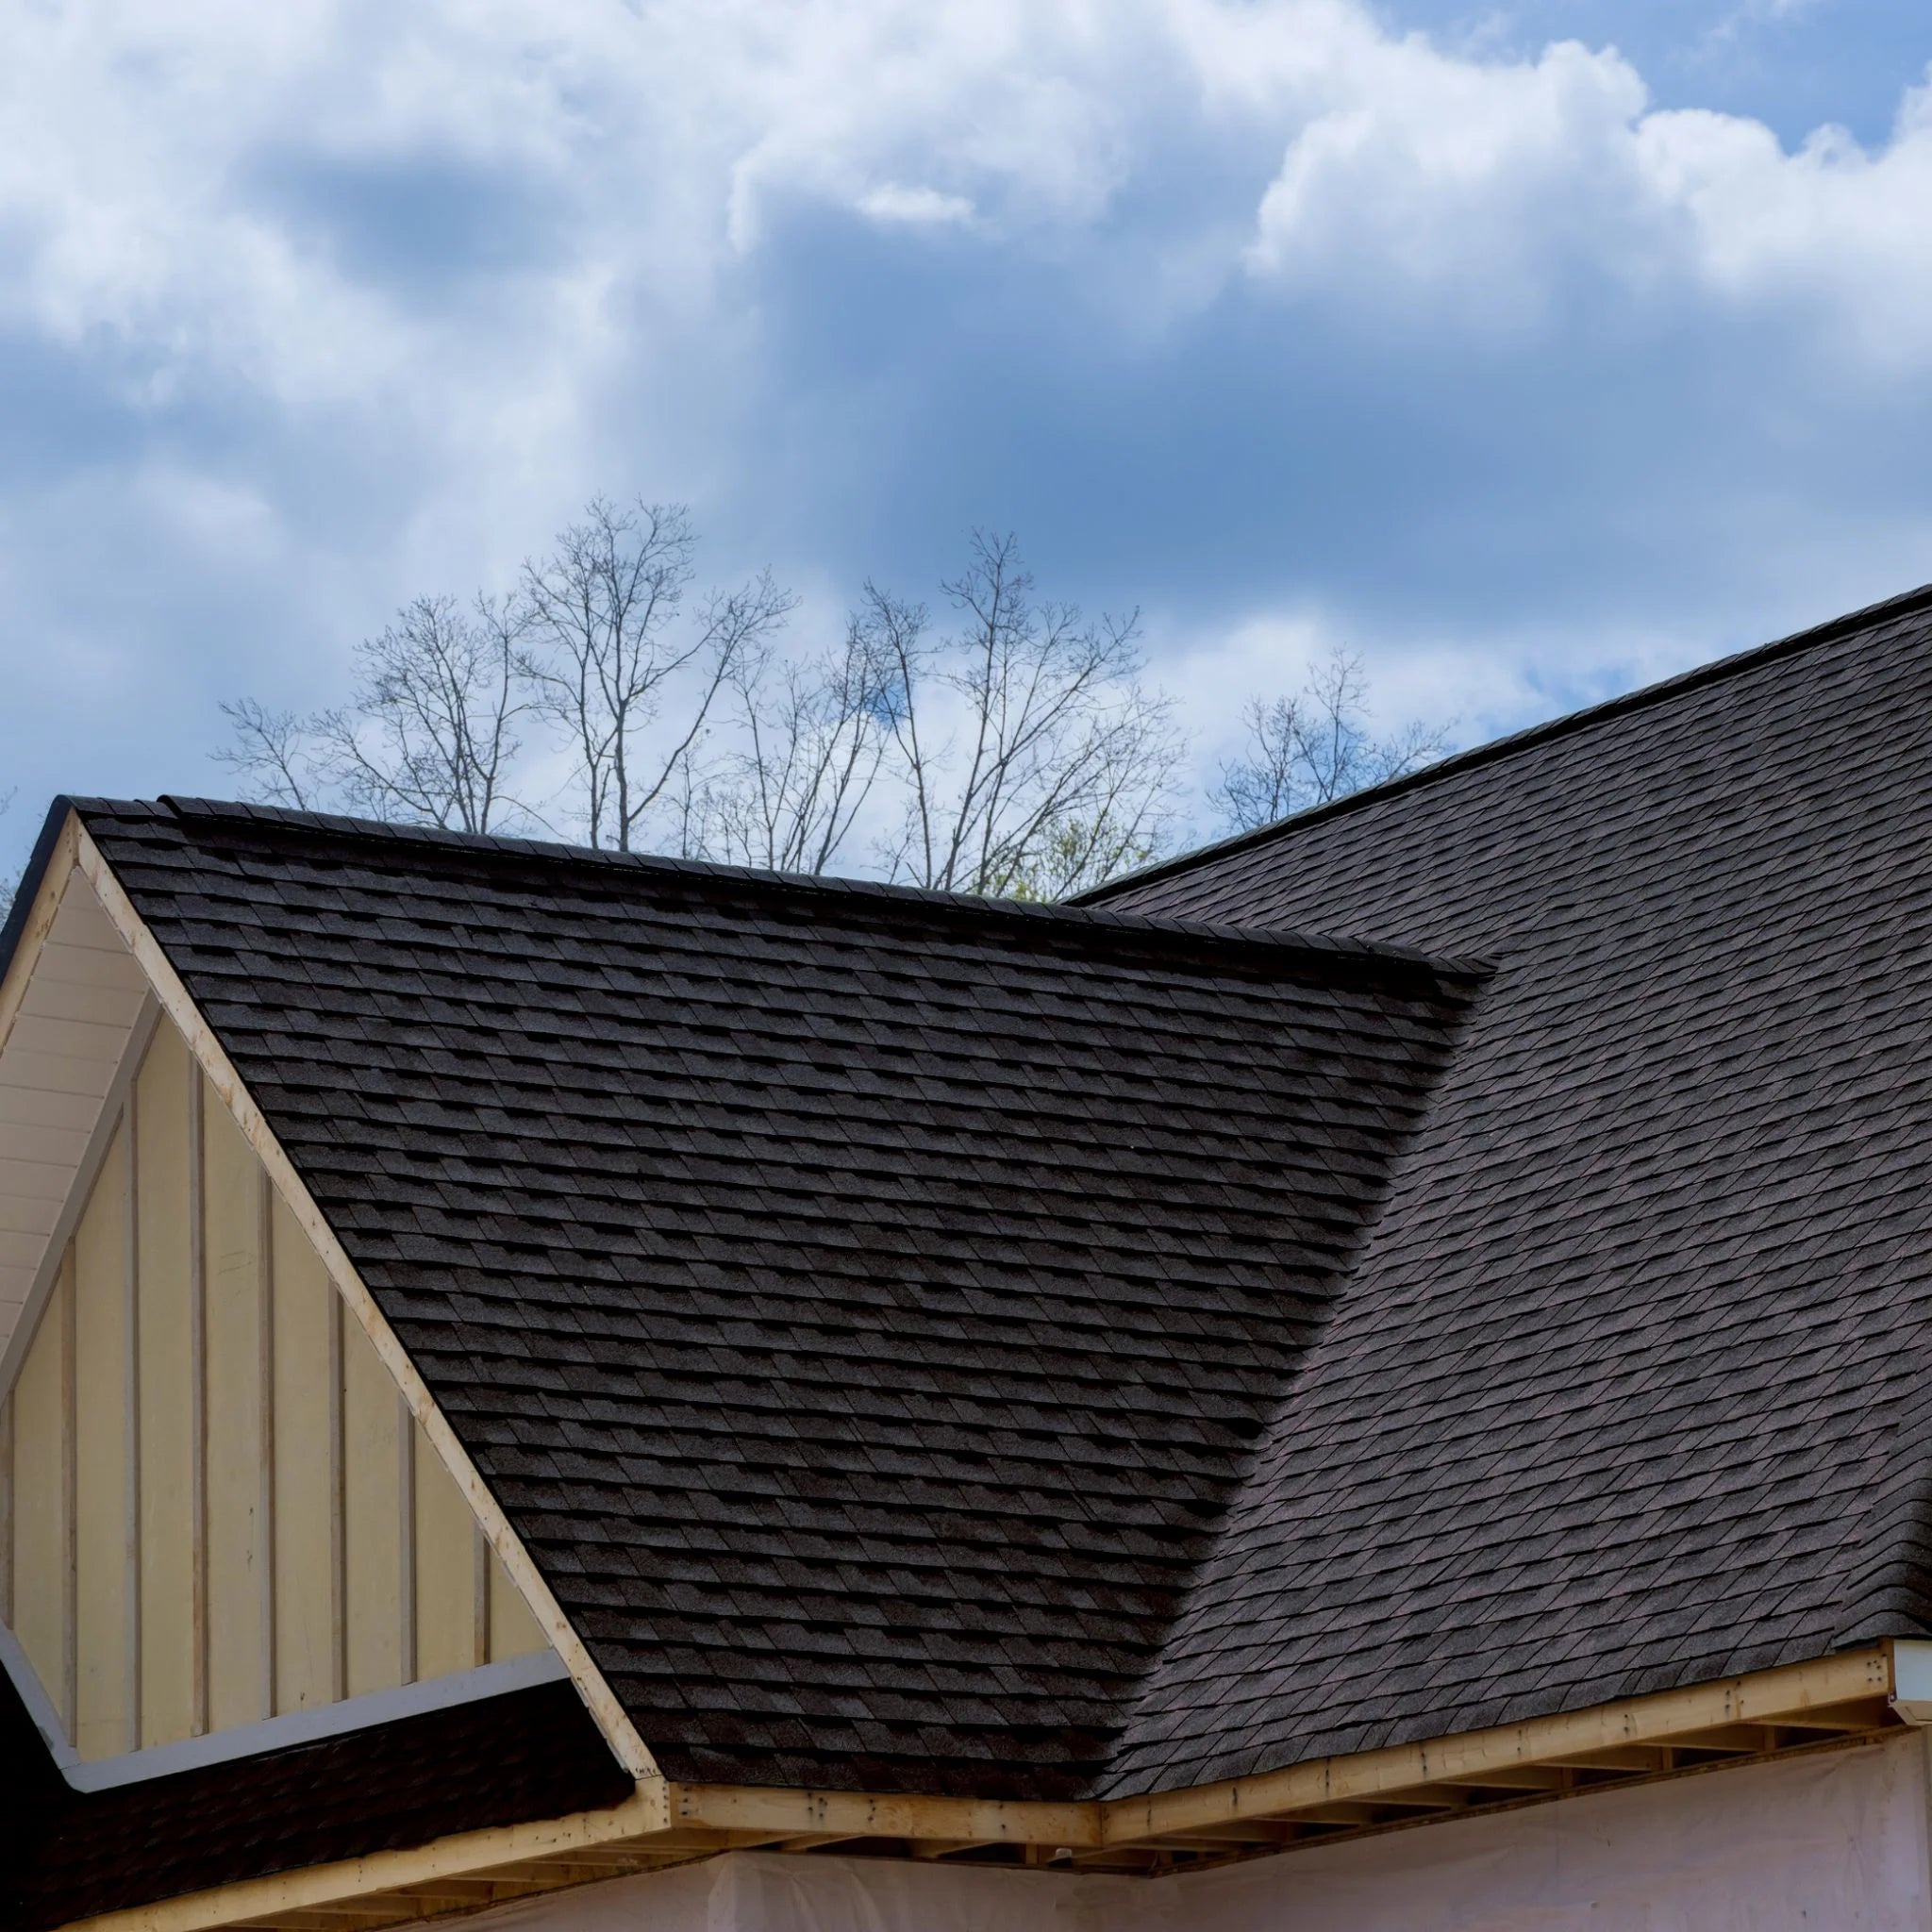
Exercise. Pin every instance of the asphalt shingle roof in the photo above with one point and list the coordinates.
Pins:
(863, 1303)
(934, 1345)
(1627, 1389)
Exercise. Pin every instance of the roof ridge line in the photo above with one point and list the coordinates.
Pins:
(278, 820)
(1494, 750)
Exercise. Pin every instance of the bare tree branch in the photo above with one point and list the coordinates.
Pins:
(811, 740)
(430, 732)
(1315, 746)
(604, 646)
(273, 756)
(1014, 750)
(1059, 765)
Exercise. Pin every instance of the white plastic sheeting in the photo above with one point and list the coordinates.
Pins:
(1837, 1841)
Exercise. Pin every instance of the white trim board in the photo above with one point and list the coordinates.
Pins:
(274, 1733)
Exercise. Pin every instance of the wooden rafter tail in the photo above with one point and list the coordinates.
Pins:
(1839, 1694)
(601, 1701)
(664, 1824)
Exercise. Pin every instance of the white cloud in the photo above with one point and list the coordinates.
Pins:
(206, 210)
(1426, 170)
(1489, 183)
(915, 207)
(667, 136)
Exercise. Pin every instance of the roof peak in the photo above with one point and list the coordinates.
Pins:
(270, 821)
(1496, 750)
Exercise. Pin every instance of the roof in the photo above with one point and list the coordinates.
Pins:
(1628, 1387)
(931, 1344)
(863, 1303)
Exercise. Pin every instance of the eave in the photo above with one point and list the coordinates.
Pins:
(1834, 1702)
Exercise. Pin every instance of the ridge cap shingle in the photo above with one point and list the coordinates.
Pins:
(264, 819)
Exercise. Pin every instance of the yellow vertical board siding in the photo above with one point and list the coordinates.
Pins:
(40, 1499)
(167, 1406)
(513, 1631)
(231, 1244)
(104, 1701)
(446, 1569)
(304, 1472)
(371, 1516)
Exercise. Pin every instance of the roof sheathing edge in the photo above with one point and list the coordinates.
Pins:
(1496, 750)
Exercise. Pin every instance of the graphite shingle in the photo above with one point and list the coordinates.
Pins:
(864, 1303)
(1625, 1390)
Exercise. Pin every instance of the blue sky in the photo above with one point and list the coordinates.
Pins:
(1532, 351)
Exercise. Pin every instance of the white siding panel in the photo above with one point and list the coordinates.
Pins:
(41, 1144)
(77, 1015)
(53, 1072)
(50, 998)
(38, 1106)
(90, 966)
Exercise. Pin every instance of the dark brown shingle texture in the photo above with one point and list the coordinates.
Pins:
(864, 1303)
(1626, 1390)
(937, 1346)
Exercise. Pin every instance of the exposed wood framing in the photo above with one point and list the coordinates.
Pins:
(131, 1234)
(70, 1491)
(869, 1815)
(1595, 1738)
(205, 1050)
(1834, 1700)
(259, 1899)
(197, 1407)
(265, 1371)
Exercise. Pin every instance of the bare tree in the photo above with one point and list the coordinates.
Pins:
(428, 738)
(607, 641)
(1316, 746)
(1033, 759)
(1012, 748)
(273, 755)
(810, 740)
(430, 733)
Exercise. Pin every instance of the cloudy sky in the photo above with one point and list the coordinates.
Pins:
(1531, 351)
